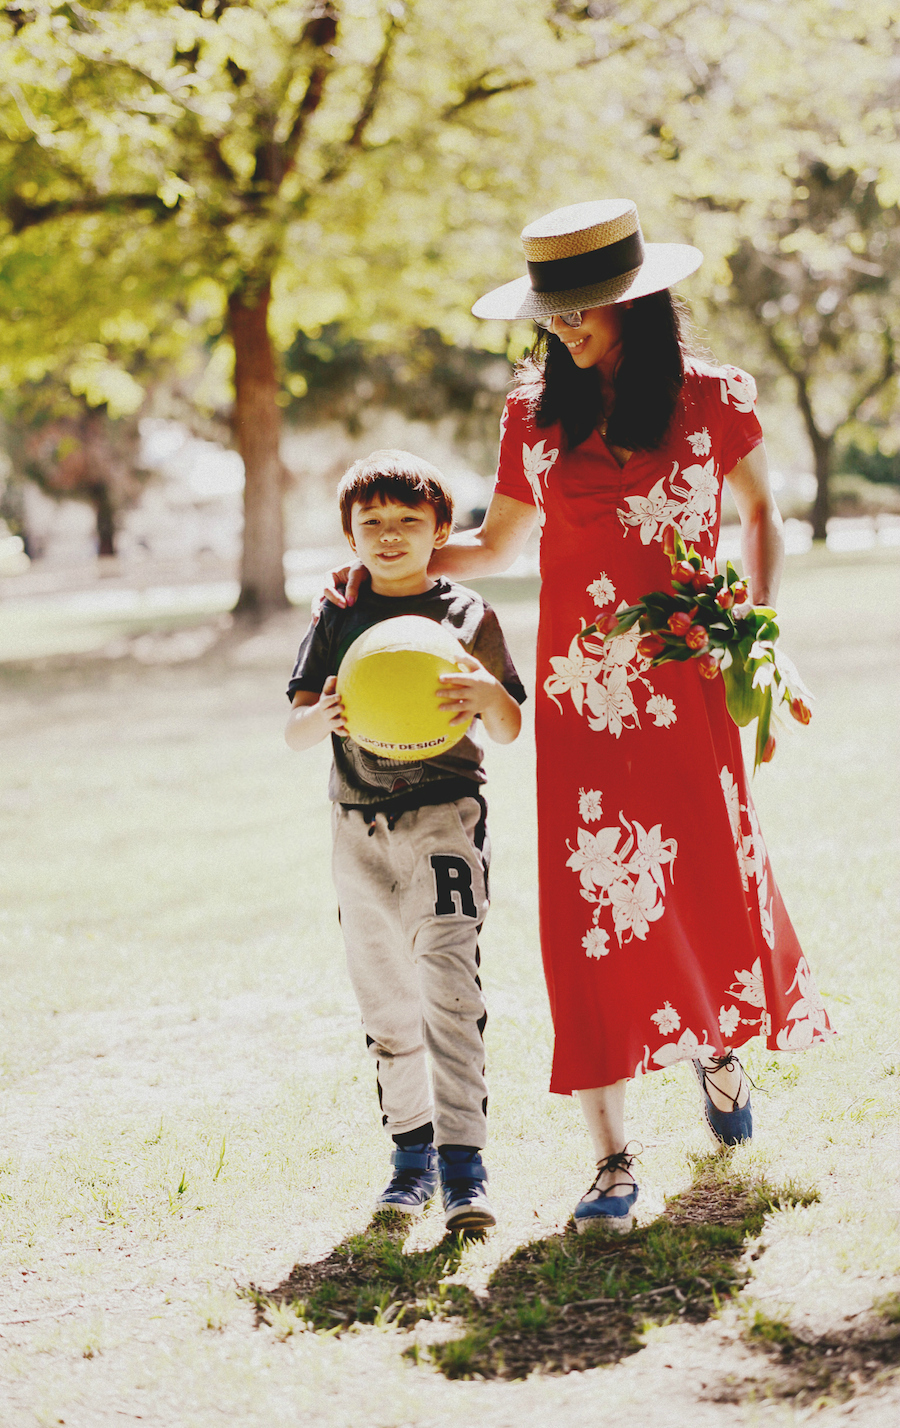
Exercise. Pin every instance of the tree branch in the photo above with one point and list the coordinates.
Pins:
(801, 378)
(888, 368)
(478, 91)
(369, 104)
(22, 215)
(320, 31)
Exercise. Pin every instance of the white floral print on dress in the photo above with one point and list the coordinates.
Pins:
(598, 674)
(808, 1015)
(750, 849)
(628, 882)
(729, 1020)
(571, 673)
(737, 387)
(602, 591)
(653, 512)
(662, 709)
(686, 1048)
(590, 804)
(596, 942)
(692, 505)
(535, 464)
(611, 702)
(667, 1019)
(700, 443)
(749, 987)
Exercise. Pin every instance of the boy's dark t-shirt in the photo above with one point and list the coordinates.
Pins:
(363, 780)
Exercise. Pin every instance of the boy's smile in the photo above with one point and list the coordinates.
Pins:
(395, 544)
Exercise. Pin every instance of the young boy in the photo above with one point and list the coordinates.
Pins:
(411, 851)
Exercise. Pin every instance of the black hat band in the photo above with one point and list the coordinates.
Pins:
(586, 269)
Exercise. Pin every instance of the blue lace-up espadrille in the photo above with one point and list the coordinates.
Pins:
(727, 1127)
(596, 1211)
(463, 1177)
(414, 1180)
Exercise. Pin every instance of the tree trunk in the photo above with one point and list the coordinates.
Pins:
(823, 448)
(105, 517)
(257, 431)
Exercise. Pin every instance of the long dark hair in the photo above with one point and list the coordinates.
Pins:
(646, 386)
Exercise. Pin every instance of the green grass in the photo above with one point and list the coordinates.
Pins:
(189, 1111)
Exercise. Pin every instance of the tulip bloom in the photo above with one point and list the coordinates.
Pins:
(683, 572)
(708, 665)
(769, 751)
(725, 598)
(668, 541)
(741, 592)
(801, 712)
(680, 622)
(701, 579)
(697, 638)
(606, 623)
(651, 645)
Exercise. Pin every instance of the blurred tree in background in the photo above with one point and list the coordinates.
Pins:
(72, 449)
(231, 174)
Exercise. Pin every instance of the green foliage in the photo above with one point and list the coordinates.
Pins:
(880, 467)
(567, 1301)
(770, 1331)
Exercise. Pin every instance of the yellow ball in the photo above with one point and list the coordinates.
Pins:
(388, 681)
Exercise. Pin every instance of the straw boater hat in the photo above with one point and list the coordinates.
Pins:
(588, 255)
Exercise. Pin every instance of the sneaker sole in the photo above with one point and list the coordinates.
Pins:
(471, 1220)
(390, 1207)
(619, 1224)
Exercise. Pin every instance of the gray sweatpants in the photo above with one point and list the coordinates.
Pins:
(412, 900)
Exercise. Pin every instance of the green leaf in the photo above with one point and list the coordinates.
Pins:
(744, 702)
(762, 727)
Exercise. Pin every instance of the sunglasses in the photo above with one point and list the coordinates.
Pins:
(568, 319)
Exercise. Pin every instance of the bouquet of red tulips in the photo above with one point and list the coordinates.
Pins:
(708, 618)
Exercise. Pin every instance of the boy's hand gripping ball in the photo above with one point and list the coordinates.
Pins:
(388, 682)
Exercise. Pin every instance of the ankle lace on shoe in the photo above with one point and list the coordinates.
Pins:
(727, 1127)
(599, 1209)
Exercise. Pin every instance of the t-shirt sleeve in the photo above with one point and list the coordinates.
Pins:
(490, 648)
(311, 668)
(515, 448)
(741, 430)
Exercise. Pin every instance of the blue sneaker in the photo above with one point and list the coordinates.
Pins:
(728, 1127)
(414, 1180)
(466, 1206)
(596, 1211)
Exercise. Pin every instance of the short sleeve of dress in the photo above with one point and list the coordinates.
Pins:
(741, 430)
(515, 431)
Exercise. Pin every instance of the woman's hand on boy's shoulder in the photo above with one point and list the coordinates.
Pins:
(342, 587)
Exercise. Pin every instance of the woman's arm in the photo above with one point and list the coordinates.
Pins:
(493, 546)
(762, 532)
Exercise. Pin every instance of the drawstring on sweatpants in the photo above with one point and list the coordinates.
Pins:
(390, 819)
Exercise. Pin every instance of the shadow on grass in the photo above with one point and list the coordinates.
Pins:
(369, 1279)
(560, 1303)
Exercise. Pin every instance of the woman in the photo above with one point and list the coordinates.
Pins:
(664, 936)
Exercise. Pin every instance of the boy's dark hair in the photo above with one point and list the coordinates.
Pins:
(647, 383)
(395, 475)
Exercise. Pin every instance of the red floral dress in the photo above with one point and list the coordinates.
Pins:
(664, 935)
